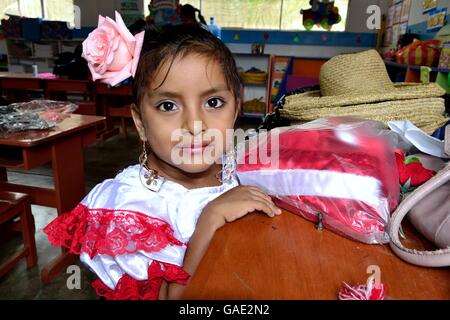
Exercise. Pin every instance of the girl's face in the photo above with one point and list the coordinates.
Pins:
(185, 119)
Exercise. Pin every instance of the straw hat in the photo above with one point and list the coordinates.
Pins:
(358, 84)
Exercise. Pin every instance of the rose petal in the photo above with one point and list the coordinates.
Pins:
(137, 51)
(100, 68)
(97, 45)
(114, 78)
(125, 33)
(101, 19)
(95, 75)
(116, 42)
(84, 53)
(109, 28)
(95, 49)
(122, 57)
(110, 23)
(109, 57)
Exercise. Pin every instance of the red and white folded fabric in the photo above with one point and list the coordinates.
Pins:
(131, 237)
(369, 291)
(340, 169)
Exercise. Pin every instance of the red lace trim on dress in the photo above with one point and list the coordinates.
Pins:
(129, 288)
(111, 232)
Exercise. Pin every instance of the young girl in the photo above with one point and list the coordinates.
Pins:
(145, 231)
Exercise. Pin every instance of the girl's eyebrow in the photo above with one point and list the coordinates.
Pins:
(214, 90)
(174, 94)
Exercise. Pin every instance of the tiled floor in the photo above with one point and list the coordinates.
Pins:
(101, 162)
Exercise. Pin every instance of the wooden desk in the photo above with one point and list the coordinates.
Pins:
(106, 97)
(99, 99)
(288, 258)
(16, 75)
(57, 89)
(66, 85)
(13, 81)
(63, 147)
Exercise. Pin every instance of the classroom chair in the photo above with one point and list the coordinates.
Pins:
(15, 205)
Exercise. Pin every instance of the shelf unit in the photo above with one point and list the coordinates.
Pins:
(260, 91)
(22, 53)
(410, 73)
(282, 72)
(414, 68)
(289, 73)
(248, 115)
(249, 84)
(279, 68)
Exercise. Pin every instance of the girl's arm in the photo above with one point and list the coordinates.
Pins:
(198, 245)
(228, 207)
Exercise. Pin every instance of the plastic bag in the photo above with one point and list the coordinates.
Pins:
(420, 53)
(340, 171)
(34, 115)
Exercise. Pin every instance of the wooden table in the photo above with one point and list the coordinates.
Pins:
(57, 89)
(17, 75)
(288, 258)
(63, 147)
(14, 81)
(99, 98)
(106, 97)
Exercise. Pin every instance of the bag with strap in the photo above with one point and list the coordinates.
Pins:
(429, 212)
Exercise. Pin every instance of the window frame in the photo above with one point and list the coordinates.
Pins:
(146, 2)
(44, 13)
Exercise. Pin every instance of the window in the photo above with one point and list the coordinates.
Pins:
(292, 20)
(9, 6)
(46, 9)
(260, 14)
(59, 10)
(30, 8)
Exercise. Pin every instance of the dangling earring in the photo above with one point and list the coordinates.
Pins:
(143, 156)
(152, 181)
(228, 168)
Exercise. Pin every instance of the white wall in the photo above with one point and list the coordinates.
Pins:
(91, 9)
(416, 16)
(357, 14)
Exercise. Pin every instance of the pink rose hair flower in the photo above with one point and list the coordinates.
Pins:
(111, 51)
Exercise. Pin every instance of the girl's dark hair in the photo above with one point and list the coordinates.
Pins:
(179, 41)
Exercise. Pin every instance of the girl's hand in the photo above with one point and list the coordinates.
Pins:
(230, 206)
(236, 203)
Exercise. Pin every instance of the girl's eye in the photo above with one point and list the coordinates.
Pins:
(167, 106)
(214, 103)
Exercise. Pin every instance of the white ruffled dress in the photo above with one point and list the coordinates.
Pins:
(131, 237)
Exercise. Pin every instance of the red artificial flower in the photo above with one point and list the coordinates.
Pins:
(411, 169)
